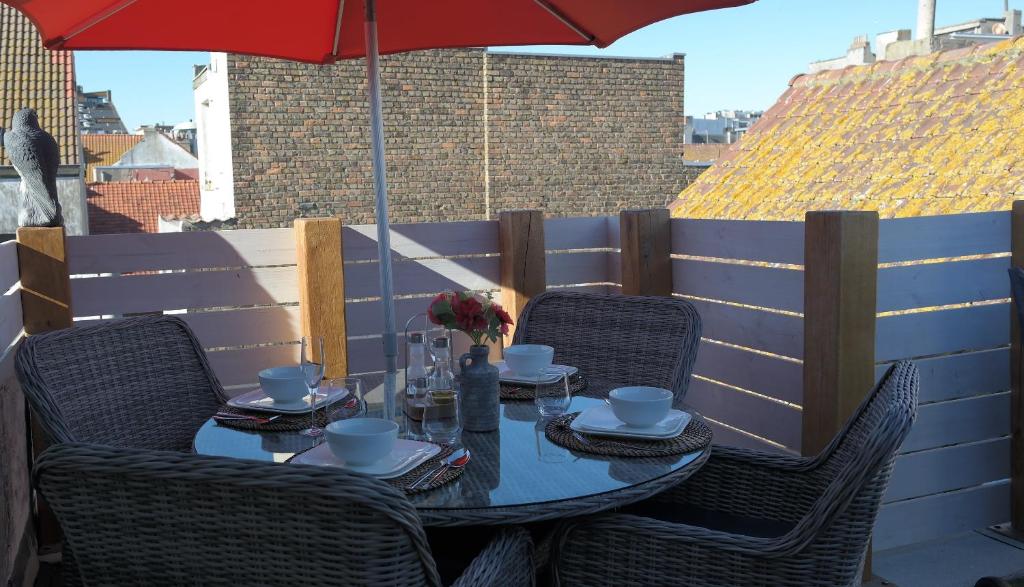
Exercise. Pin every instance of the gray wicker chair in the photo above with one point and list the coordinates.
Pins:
(139, 382)
(618, 340)
(752, 518)
(136, 517)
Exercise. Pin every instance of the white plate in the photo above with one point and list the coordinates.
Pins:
(550, 375)
(406, 456)
(258, 401)
(600, 420)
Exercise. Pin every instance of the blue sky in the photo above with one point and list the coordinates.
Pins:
(737, 58)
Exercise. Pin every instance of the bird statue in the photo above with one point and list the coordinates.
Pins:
(35, 155)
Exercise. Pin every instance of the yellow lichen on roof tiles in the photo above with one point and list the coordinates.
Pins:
(33, 77)
(925, 135)
(103, 150)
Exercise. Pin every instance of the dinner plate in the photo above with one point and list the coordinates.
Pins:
(404, 457)
(258, 401)
(550, 375)
(601, 421)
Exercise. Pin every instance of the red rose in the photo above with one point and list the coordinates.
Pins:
(502, 315)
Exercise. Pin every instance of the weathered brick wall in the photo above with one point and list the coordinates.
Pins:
(584, 136)
(572, 136)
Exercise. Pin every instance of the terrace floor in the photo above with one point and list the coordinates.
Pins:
(954, 561)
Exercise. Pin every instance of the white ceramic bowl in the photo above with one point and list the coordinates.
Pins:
(529, 359)
(284, 384)
(640, 406)
(361, 441)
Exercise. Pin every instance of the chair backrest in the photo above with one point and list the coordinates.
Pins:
(136, 517)
(139, 382)
(627, 340)
(851, 474)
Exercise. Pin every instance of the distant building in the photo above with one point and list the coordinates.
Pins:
(898, 44)
(97, 113)
(723, 127)
(36, 78)
(123, 157)
(470, 132)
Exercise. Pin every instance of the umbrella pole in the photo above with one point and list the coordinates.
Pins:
(380, 186)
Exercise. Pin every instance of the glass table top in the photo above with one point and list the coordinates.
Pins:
(515, 465)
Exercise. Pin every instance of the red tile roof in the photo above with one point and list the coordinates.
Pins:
(104, 150)
(33, 77)
(134, 206)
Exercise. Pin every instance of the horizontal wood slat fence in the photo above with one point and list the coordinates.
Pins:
(941, 299)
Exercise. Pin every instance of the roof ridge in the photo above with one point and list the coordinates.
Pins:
(1006, 48)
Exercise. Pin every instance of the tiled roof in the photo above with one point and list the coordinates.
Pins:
(103, 150)
(33, 77)
(938, 134)
(135, 206)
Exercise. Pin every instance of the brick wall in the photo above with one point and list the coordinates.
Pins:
(572, 136)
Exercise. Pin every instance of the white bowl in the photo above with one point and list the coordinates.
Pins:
(529, 360)
(284, 384)
(640, 406)
(361, 441)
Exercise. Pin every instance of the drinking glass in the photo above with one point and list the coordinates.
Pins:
(552, 399)
(353, 400)
(442, 423)
(313, 368)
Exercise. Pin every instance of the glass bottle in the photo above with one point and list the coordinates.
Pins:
(416, 383)
(441, 421)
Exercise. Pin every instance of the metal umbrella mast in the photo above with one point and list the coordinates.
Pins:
(380, 188)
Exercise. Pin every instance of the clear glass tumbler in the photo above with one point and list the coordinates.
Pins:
(552, 399)
(442, 422)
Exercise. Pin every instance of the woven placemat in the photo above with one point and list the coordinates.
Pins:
(517, 391)
(696, 436)
(405, 482)
(340, 410)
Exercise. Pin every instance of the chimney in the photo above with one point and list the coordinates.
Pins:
(925, 19)
(1013, 27)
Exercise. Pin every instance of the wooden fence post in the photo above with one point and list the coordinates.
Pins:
(322, 288)
(45, 282)
(523, 266)
(646, 237)
(840, 291)
(45, 306)
(1016, 376)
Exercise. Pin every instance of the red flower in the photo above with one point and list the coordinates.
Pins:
(503, 316)
(443, 297)
(469, 314)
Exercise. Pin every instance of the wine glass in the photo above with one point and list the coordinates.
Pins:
(552, 399)
(313, 373)
(352, 401)
(442, 423)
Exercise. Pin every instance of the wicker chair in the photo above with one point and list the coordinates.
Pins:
(138, 382)
(136, 517)
(751, 518)
(621, 340)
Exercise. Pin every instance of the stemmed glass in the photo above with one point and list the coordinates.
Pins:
(553, 399)
(313, 374)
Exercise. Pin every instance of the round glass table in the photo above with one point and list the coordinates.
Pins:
(516, 475)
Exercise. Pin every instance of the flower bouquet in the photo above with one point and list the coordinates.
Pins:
(482, 320)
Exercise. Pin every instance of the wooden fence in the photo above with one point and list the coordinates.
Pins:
(941, 299)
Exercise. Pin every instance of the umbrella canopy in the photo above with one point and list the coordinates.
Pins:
(322, 31)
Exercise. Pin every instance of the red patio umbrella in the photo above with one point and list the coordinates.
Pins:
(323, 31)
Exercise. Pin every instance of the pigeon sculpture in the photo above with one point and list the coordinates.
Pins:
(35, 155)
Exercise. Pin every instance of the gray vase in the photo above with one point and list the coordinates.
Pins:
(481, 411)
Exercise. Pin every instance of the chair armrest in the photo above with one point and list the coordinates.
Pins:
(750, 483)
(622, 549)
(507, 560)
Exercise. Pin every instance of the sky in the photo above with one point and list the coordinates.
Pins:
(739, 58)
